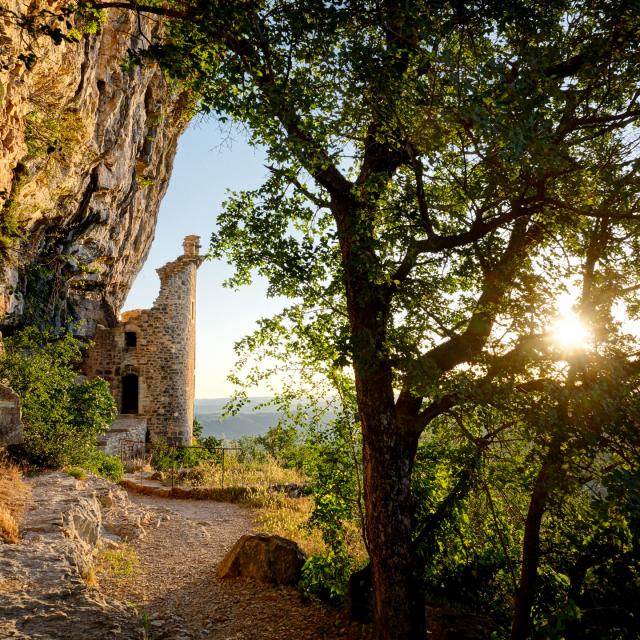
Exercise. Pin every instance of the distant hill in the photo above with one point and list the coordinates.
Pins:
(247, 422)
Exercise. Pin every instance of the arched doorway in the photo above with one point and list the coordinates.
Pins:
(129, 393)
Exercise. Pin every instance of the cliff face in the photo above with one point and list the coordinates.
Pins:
(86, 149)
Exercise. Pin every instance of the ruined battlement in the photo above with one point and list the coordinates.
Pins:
(148, 358)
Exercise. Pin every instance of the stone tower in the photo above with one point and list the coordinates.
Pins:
(149, 359)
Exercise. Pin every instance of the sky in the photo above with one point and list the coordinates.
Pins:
(209, 162)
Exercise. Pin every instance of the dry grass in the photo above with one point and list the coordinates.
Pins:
(77, 473)
(274, 512)
(253, 484)
(14, 493)
(136, 465)
(120, 562)
(277, 514)
(238, 474)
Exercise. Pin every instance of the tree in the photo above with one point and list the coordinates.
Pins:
(425, 161)
(439, 172)
(62, 416)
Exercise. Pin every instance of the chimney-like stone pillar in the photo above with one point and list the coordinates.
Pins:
(191, 246)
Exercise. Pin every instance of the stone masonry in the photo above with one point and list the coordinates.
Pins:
(10, 419)
(148, 358)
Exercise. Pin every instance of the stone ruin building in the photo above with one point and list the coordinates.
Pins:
(148, 358)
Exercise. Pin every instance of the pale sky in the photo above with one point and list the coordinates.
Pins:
(208, 163)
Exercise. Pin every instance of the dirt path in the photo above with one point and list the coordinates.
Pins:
(176, 585)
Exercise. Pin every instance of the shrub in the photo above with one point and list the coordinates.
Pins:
(329, 462)
(251, 450)
(165, 457)
(326, 576)
(102, 464)
(77, 473)
(62, 416)
(282, 443)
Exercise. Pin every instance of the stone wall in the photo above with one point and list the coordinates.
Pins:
(163, 358)
(10, 418)
(126, 438)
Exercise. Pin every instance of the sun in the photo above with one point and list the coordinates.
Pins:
(569, 332)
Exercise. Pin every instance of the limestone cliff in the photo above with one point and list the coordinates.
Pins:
(86, 149)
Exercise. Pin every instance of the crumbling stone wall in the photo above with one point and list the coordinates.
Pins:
(126, 438)
(161, 355)
(10, 419)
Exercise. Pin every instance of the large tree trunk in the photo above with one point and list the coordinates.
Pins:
(399, 606)
(388, 448)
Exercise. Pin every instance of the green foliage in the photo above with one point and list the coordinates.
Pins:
(76, 472)
(144, 182)
(326, 576)
(162, 456)
(119, 563)
(105, 465)
(49, 132)
(62, 415)
(331, 459)
(251, 450)
(210, 443)
(166, 457)
(10, 228)
(89, 21)
(67, 24)
(282, 444)
(51, 283)
(197, 429)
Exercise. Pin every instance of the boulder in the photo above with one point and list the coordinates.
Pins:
(265, 558)
(10, 419)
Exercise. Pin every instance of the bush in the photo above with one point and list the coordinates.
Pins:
(335, 482)
(251, 450)
(326, 577)
(166, 457)
(76, 472)
(62, 416)
(109, 467)
(282, 443)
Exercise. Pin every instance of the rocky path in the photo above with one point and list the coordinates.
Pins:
(176, 586)
(45, 590)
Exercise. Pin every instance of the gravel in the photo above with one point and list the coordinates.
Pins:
(176, 586)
